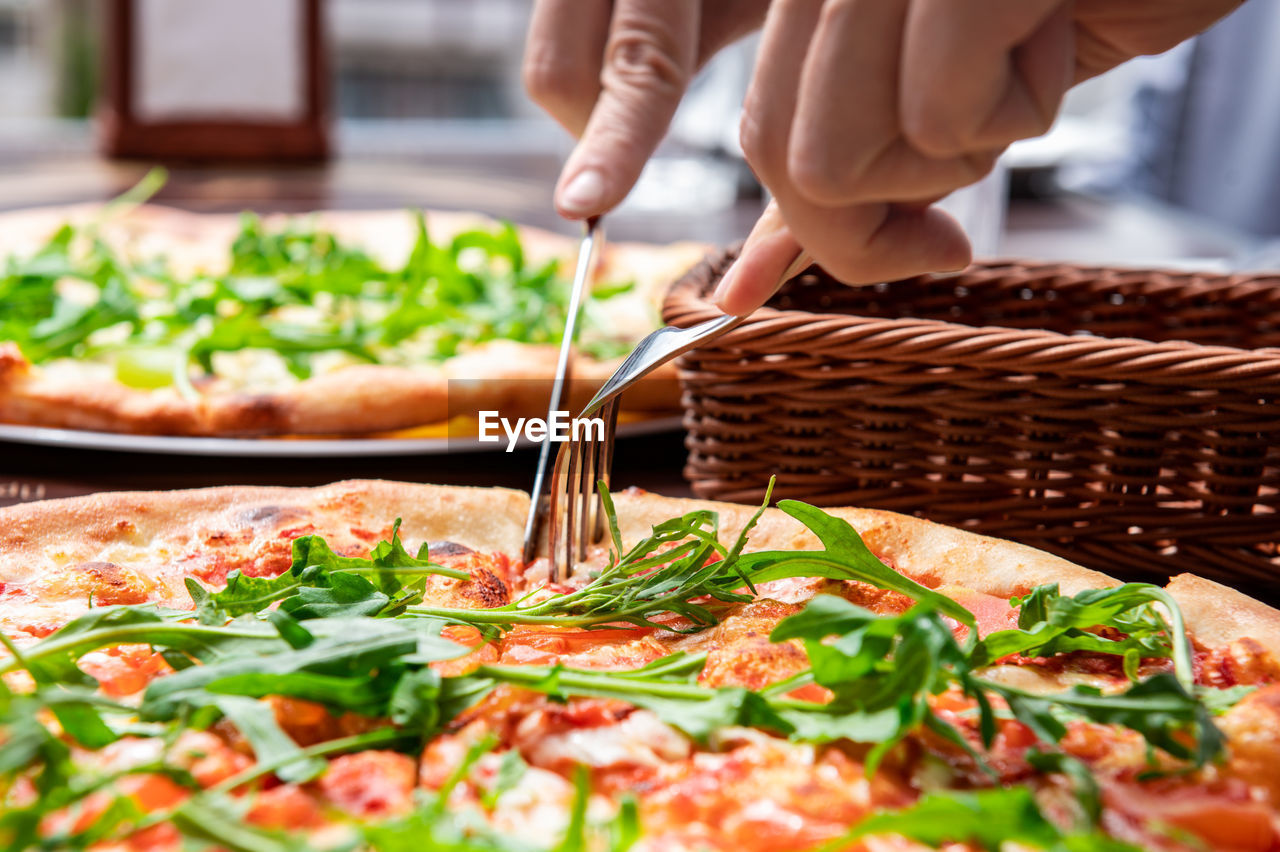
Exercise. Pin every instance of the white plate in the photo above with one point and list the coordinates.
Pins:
(288, 448)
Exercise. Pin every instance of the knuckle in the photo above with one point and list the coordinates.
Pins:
(551, 83)
(641, 59)
(847, 263)
(831, 173)
(980, 164)
(1040, 121)
(763, 146)
(818, 178)
(932, 134)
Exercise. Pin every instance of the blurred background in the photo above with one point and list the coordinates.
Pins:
(298, 104)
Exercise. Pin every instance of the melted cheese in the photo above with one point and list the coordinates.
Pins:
(638, 740)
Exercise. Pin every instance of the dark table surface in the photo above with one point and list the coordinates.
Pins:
(652, 462)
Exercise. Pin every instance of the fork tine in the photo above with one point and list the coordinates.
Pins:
(555, 510)
(586, 492)
(609, 414)
(573, 491)
(576, 509)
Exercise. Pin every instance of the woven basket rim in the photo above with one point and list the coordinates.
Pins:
(941, 342)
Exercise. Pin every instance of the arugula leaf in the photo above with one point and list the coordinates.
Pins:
(880, 669)
(79, 718)
(28, 748)
(435, 824)
(104, 627)
(681, 567)
(511, 768)
(1051, 623)
(645, 581)
(256, 722)
(846, 557)
(354, 664)
(378, 737)
(1088, 793)
(1159, 708)
(434, 828)
(295, 291)
(626, 830)
(575, 835)
(219, 820)
(987, 818)
(321, 583)
(695, 710)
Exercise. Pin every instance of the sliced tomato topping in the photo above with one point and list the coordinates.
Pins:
(1227, 819)
(370, 783)
(286, 806)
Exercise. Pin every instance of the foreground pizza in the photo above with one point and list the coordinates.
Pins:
(158, 321)
(279, 669)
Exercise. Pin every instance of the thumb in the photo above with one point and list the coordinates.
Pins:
(770, 257)
(649, 59)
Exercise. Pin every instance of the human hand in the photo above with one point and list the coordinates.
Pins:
(613, 72)
(861, 113)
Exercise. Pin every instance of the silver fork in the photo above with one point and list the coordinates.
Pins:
(576, 512)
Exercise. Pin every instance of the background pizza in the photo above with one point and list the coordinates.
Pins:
(276, 669)
(153, 320)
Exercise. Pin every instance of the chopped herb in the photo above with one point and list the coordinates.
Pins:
(680, 569)
(321, 583)
(294, 291)
(1051, 623)
(988, 818)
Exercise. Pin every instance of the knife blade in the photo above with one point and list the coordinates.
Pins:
(593, 236)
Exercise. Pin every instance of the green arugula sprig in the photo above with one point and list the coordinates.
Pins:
(295, 291)
(882, 670)
(1050, 623)
(321, 583)
(886, 667)
(28, 748)
(680, 569)
(987, 818)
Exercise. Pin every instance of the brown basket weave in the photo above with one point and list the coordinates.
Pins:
(1127, 420)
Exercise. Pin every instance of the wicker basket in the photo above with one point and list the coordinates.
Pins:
(1127, 420)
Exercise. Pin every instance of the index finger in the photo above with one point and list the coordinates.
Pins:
(650, 56)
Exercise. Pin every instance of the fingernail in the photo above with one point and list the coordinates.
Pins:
(584, 194)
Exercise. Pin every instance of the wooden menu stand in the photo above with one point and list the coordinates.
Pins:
(162, 123)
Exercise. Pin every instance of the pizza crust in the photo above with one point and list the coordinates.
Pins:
(505, 376)
(932, 554)
(127, 547)
(936, 555)
(36, 536)
(1218, 615)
